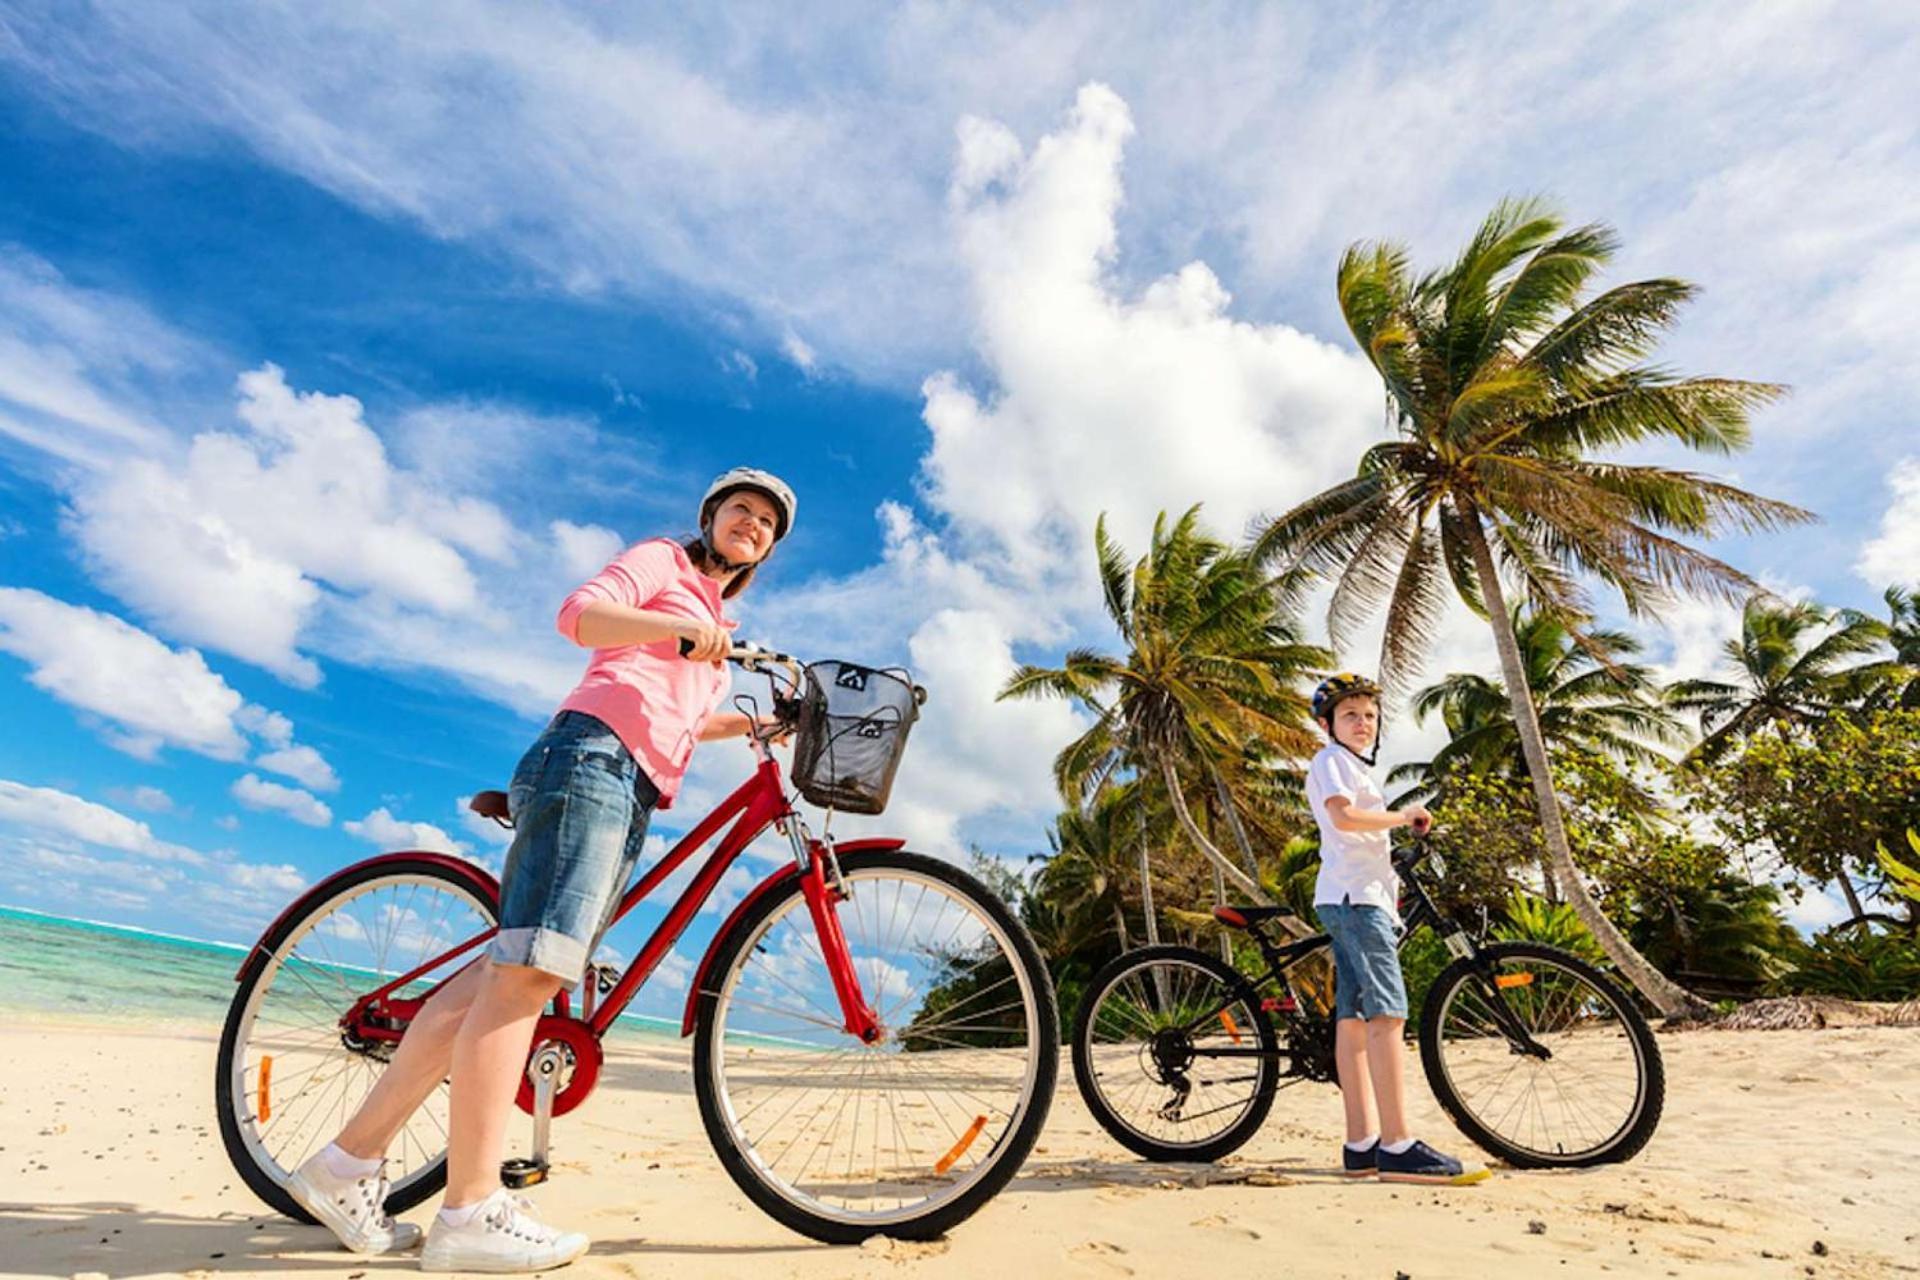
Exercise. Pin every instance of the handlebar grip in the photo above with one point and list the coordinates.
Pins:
(1421, 826)
(686, 647)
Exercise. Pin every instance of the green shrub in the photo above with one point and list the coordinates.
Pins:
(1533, 919)
(1855, 965)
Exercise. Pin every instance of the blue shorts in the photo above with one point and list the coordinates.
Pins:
(1367, 982)
(580, 804)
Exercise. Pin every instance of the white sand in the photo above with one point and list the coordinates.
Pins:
(1775, 1146)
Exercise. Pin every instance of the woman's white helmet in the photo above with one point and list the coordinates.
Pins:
(763, 482)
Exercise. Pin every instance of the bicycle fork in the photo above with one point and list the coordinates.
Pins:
(824, 889)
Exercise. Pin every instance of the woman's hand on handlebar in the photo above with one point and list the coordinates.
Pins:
(705, 641)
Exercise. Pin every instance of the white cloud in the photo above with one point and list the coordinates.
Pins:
(381, 828)
(795, 348)
(1892, 556)
(150, 799)
(57, 812)
(150, 695)
(303, 764)
(303, 807)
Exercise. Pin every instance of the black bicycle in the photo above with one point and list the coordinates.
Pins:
(1535, 1054)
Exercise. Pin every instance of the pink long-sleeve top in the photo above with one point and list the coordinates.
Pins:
(653, 699)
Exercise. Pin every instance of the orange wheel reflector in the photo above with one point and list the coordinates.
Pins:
(1513, 980)
(266, 1083)
(948, 1160)
(1233, 1029)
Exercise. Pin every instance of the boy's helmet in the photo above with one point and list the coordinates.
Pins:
(762, 482)
(1335, 688)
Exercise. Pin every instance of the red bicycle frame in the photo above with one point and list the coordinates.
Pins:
(758, 803)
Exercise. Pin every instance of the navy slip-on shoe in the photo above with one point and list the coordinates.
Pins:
(1358, 1164)
(1421, 1163)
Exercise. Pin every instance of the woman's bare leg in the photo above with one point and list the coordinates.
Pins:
(419, 1065)
(489, 1059)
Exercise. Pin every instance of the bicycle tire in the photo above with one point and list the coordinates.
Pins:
(1622, 1145)
(262, 1182)
(1016, 1145)
(1233, 1138)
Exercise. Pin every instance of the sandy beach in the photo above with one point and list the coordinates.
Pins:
(1783, 1153)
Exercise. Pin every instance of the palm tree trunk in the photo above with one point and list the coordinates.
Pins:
(1234, 824)
(1120, 927)
(1851, 894)
(1220, 900)
(1666, 996)
(1241, 880)
(1146, 887)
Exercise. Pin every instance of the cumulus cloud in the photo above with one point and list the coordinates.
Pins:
(382, 828)
(147, 694)
(50, 811)
(303, 807)
(149, 799)
(1892, 555)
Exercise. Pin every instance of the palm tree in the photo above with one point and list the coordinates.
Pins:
(1587, 695)
(1902, 626)
(1210, 667)
(1788, 674)
(1502, 384)
(1091, 856)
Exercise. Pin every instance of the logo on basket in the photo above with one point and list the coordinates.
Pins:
(869, 729)
(851, 678)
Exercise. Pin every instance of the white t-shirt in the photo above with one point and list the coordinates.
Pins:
(1354, 865)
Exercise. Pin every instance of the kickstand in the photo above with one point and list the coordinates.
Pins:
(520, 1172)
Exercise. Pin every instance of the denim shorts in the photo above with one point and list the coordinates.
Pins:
(1366, 961)
(580, 805)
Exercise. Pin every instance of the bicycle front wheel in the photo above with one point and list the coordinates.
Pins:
(1541, 1059)
(907, 1136)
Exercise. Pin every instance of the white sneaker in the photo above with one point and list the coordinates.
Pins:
(354, 1209)
(502, 1236)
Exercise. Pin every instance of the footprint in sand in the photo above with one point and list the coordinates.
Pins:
(1219, 1222)
(1102, 1255)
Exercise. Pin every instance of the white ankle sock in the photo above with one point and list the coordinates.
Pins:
(342, 1165)
(461, 1216)
(1398, 1148)
(1365, 1144)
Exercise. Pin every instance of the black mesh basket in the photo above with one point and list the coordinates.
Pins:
(852, 732)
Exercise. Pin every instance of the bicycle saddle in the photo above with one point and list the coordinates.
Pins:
(1241, 917)
(490, 804)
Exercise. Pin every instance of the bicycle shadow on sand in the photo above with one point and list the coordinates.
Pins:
(1078, 1174)
(67, 1240)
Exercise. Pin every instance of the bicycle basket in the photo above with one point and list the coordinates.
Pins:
(851, 734)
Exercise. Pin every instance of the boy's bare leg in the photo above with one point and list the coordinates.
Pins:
(1350, 1060)
(1385, 1058)
(419, 1065)
(489, 1058)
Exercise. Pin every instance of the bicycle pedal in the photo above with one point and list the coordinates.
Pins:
(520, 1173)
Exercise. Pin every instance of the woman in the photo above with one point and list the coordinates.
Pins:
(581, 798)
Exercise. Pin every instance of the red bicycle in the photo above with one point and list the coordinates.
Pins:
(874, 1034)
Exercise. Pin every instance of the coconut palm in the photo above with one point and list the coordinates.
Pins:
(1588, 695)
(1092, 856)
(1795, 664)
(1504, 385)
(1210, 666)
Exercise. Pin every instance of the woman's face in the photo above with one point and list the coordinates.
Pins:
(743, 526)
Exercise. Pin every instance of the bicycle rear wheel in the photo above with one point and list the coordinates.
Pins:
(904, 1137)
(287, 1074)
(1174, 1056)
(1541, 1059)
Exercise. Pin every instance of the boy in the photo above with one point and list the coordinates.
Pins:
(1357, 898)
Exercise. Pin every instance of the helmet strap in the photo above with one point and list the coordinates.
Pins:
(1367, 759)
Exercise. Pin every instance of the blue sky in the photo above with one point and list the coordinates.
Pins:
(333, 351)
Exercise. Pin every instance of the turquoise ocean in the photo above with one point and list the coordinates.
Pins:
(57, 968)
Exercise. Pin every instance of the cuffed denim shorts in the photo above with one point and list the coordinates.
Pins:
(580, 804)
(1367, 982)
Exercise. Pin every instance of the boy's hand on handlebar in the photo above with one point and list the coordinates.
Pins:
(705, 641)
(1418, 818)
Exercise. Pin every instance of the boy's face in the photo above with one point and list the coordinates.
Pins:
(1356, 722)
